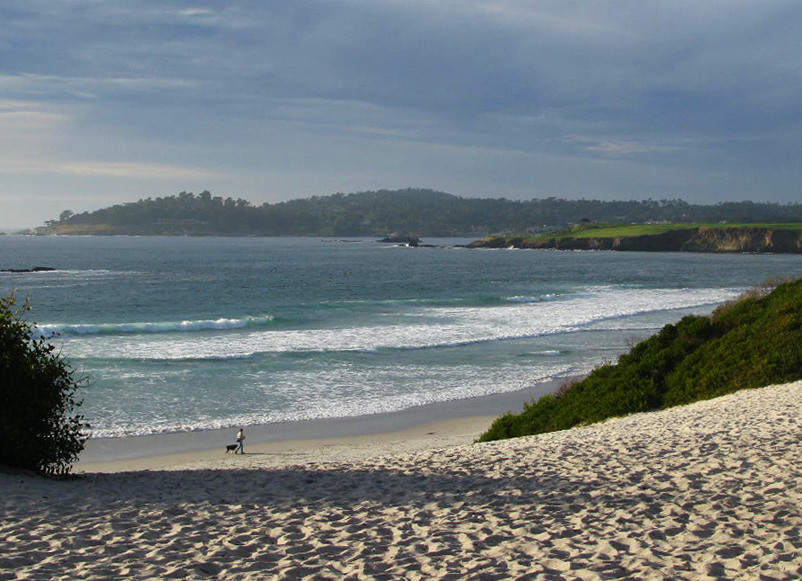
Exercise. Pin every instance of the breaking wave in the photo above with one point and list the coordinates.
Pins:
(155, 327)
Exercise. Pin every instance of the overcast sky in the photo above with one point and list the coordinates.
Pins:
(107, 101)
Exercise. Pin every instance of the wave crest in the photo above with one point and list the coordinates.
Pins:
(155, 327)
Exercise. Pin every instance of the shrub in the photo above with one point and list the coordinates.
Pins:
(39, 427)
(754, 342)
(756, 292)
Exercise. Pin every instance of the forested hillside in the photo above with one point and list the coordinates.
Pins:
(377, 213)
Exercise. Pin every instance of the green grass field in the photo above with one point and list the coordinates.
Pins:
(621, 230)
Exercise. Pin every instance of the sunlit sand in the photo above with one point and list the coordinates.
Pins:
(707, 491)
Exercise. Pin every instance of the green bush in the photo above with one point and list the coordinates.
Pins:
(39, 429)
(754, 342)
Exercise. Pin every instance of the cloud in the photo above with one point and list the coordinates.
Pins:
(618, 148)
(29, 127)
(196, 12)
(149, 171)
(19, 122)
(695, 88)
(458, 60)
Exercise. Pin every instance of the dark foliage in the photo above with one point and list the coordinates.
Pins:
(754, 342)
(39, 429)
(419, 212)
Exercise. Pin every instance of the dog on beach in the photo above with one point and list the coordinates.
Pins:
(231, 448)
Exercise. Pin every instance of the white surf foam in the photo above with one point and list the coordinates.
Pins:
(436, 327)
(154, 327)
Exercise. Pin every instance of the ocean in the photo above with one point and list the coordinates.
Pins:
(186, 334)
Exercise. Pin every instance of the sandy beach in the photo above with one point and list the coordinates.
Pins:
(707, 491)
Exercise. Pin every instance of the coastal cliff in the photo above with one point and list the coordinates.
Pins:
(694, 239)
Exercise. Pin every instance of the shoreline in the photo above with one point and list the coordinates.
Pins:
(464, 419)
(292, 452)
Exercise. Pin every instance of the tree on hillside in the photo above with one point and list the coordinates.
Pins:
(425, 212)
(39, 427)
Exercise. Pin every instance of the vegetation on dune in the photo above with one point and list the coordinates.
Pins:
(753, 342)
(39, 427)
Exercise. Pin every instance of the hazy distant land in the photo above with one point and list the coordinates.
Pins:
(419, 212)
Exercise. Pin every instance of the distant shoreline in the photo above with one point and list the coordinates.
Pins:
(420, 212)
(734, 239)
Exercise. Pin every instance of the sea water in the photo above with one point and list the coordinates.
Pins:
(180, 334)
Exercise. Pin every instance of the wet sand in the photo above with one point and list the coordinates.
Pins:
(163, 450)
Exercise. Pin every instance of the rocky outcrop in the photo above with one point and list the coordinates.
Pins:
(407, 239)
(735, 240)
(34, 269)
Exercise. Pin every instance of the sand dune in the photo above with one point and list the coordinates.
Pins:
(707, 491)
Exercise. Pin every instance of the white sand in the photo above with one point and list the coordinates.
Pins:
(707, 491)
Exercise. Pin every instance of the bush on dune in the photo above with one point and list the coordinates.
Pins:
(753, 342)
(39, 429)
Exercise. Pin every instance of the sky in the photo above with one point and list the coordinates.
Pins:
(109, 101)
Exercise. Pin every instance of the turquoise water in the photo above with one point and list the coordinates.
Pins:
(181, 334)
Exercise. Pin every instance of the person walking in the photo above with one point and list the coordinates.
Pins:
(240, 441)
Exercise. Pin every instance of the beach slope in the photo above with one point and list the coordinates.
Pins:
(711, 490)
